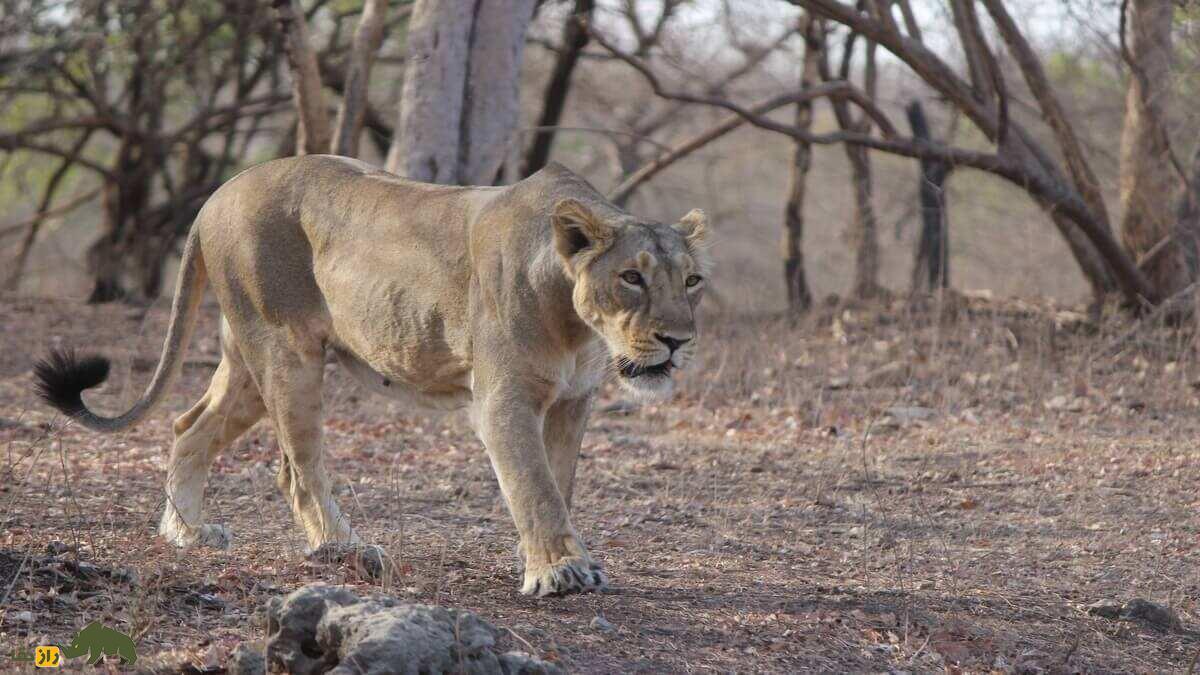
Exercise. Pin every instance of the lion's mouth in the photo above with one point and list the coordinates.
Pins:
(631, 370)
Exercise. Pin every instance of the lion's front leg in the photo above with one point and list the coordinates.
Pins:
(562, 433)
(555, 559)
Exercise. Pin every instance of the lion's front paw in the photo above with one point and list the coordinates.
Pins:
(569, 575)
(561, 572)
(207, 536)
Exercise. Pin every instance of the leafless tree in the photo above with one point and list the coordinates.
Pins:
(794, 278)
(151, 102)
(864, 229)
(554, 99)
(1151, 177)
(314, 134)
(931, 264)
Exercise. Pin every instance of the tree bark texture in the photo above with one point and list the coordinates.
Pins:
(931, 265)
(459, 105)
(367, 38)
(1149, 182)
(795, 278)
(313, 132)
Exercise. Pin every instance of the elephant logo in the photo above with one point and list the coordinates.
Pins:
(98, 641)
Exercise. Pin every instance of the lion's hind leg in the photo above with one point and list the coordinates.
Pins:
(292, 379)
(231, 405)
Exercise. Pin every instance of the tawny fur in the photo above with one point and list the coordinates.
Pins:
(514, 302)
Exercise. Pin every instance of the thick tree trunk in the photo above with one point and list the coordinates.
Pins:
(314, 134)
(367, 38)
(425, 146)
(795, 278)
(459, 105)
(575, 38)
(492, 102)
(1148, 180)
(931, 265)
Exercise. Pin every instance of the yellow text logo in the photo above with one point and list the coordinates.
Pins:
(47, 656)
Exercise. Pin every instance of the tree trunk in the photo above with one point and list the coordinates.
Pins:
(931, 266)
(313, 135)
(367, 38)
(575, 38)
(125, 198)
(864, 229)
(492, 104)
(459, 105)
(795, 278)
(1148, 179)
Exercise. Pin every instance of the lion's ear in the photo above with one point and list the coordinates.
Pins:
(693, 227)
(577, 229)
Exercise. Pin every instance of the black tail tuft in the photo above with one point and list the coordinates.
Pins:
(62, 376)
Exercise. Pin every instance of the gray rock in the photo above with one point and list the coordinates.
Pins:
(602, 624)
(372, 561)
(904, 416)
(247, 659)
(323, 629)
(1159, 616)
(1109, 609)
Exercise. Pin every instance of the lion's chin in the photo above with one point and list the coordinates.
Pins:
(649, 388)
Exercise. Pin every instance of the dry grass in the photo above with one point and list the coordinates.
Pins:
(773, 518)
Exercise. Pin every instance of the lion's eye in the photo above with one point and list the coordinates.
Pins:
(632, 277)
(694, 280)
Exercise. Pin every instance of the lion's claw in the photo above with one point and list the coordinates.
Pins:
(567, 576)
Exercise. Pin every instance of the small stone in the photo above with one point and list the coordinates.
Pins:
(907, 415)
(24, 617)
(837, 383)
(1159, 616)
(894, 374)
(602, 624)
(1109, 609)
(371, 561)
(320, 628)
(248, 659)
(1057, 403)
(57, 548)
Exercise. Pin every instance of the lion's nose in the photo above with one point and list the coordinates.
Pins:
(672, 343)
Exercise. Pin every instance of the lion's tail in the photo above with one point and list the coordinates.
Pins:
(62, 376)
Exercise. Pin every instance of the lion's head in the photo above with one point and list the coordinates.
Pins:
(637, 285)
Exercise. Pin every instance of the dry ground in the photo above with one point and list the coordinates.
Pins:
(773, 518)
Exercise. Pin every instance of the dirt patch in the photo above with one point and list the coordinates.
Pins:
(873, 488)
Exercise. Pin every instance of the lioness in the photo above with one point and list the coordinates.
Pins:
(512, 301)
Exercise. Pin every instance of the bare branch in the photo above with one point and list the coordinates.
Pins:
(60, 210)
(367, 38)
(910, 20)
(847, 90)
(730, 123)
(1052, 111)
(43, 210)
(575, 39)
(314, 131)
(1144, 84)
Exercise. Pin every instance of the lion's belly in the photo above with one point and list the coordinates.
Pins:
(396, 322)
(447, 393)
